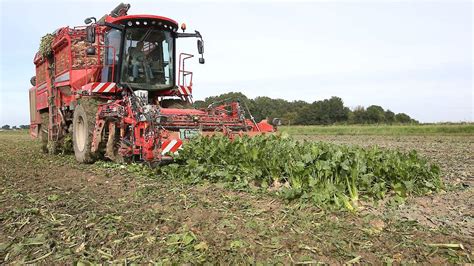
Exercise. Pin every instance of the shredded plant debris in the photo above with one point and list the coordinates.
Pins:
(45, 48)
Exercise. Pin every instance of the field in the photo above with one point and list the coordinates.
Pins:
(385, 130)
(53, 209)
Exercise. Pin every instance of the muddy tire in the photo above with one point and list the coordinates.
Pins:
(113, 145)
(43, 132)
(83, 131)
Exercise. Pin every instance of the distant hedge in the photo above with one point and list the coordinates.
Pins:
(324, 112)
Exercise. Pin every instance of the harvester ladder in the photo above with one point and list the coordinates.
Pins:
(54, 124)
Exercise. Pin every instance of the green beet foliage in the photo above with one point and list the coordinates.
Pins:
(326, 174)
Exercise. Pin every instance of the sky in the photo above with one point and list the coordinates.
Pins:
(413, 57)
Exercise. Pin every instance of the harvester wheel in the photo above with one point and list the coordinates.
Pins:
(113, 145)
(83, 130)
(43, 132)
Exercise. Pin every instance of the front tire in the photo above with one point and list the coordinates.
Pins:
(83, 131)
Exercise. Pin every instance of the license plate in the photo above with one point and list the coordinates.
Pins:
(188, 133)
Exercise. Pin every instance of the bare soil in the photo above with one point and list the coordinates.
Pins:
(53, 209)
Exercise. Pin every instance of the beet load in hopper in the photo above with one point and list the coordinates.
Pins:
(117, 88)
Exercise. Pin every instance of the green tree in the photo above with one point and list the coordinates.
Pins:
(200, 104)
(337, 111)
(389, 117)
(289, 118)
(230, 96)
(402, 118)
(306, 116)
(358, 115)
(267, 108)
(323, 112)
(375, 114)
(6, 127)
(318, 113)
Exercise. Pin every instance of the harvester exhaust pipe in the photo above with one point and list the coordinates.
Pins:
(118, 11)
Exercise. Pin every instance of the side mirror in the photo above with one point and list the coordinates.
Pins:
(89, 20)
(33, 80)
(90, 34)
(90, 51)
(200, 46)
(276, 122)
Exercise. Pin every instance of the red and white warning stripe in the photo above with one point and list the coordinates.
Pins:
(103, 87)
(171, 146)
(185, 90)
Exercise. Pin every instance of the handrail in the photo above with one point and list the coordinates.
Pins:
(182, 73)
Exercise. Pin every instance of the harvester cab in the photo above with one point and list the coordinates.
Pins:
(140, 50)
(118, 90)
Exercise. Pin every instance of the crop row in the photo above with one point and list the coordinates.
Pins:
(326, 174)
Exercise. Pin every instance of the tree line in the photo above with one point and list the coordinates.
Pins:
(8, 127)
(323, 112)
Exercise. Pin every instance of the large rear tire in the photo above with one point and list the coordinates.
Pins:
(83, 131)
